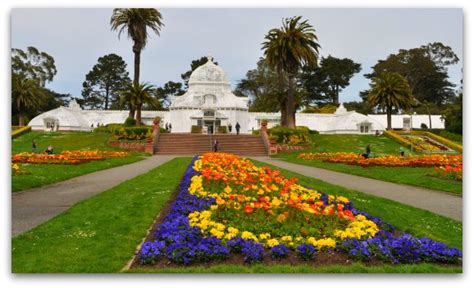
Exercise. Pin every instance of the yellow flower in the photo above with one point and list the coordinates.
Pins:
(275, 202)
(249, 235)
(264, 236)
(217, 233)
(227, 189)
(272, 242)
(287, 238)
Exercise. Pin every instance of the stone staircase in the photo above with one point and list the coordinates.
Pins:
(195, 144)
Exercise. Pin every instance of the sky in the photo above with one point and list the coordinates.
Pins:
(77, 37)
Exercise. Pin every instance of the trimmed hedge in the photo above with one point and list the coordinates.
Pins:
(129, 122)
(222, 130)
(133, 133)
(196, 129)
(297, 136)
(20, 131)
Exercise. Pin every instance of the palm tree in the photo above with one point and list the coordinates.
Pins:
(390, 90)
(26, 94)
(136, 95)
(286, 50)
(135, 22)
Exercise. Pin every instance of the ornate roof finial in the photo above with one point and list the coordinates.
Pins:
(209, 56)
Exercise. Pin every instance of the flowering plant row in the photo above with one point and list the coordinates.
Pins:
(228, 205)
(390, 160)
(66, 157)
(449, 171)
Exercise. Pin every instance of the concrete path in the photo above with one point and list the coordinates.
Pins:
(448, 205)
(32, 207)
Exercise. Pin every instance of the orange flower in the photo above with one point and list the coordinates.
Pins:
(248, 209)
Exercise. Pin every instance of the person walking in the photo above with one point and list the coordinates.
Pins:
(169, 127)
(33, 146)
(215, 145)
(237, 128)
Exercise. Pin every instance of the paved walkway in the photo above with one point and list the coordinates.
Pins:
(435, 201)
(32, 207)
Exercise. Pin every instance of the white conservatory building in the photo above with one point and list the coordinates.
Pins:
(210, 103)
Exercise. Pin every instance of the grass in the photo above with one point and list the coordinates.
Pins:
(380, 145)
(37, 175)
(99, 234)
(354, 268)
(117, 220)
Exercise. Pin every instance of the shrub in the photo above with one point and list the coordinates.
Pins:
(133, 133)
(283, 135)
(130, 122)
(222, 129)
(424, 126)
(196, 129)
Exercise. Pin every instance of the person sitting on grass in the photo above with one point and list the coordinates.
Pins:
(49, 150)
(367, 152)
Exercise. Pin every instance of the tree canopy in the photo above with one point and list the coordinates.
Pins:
(33, 64)
(324, 83)
(389, 90)
(103, 83)
(425, 68)
(286, 50)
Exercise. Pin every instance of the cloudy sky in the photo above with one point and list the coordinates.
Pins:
(77, 37)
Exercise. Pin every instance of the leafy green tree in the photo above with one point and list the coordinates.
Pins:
(325, 82)
(194, 64)
(262, 86)
(286, 50)
(135, 22)
(163, 94)
(360, 107)
(453, 115)
(425, 68)
(390, 90)
(137, 95)
(26, 94)
(104, 82)
(33, 64)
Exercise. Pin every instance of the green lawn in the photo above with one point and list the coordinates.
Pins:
(416, 176)
(42, 174)
(101, 234)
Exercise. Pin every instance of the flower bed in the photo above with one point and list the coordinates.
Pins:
(227, 206)
(66, 157)
(389, 161)
(449, 171)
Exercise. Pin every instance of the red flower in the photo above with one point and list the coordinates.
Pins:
(248, 209)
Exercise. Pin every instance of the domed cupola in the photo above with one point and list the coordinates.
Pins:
(208, 73)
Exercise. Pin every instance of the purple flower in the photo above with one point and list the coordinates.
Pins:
(306, 252)
(279, 251)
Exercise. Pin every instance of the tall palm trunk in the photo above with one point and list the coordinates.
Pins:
(139, 115)
(283, 113)
(389, 117)
(290, 104)
(21, 119)
(136, 79)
